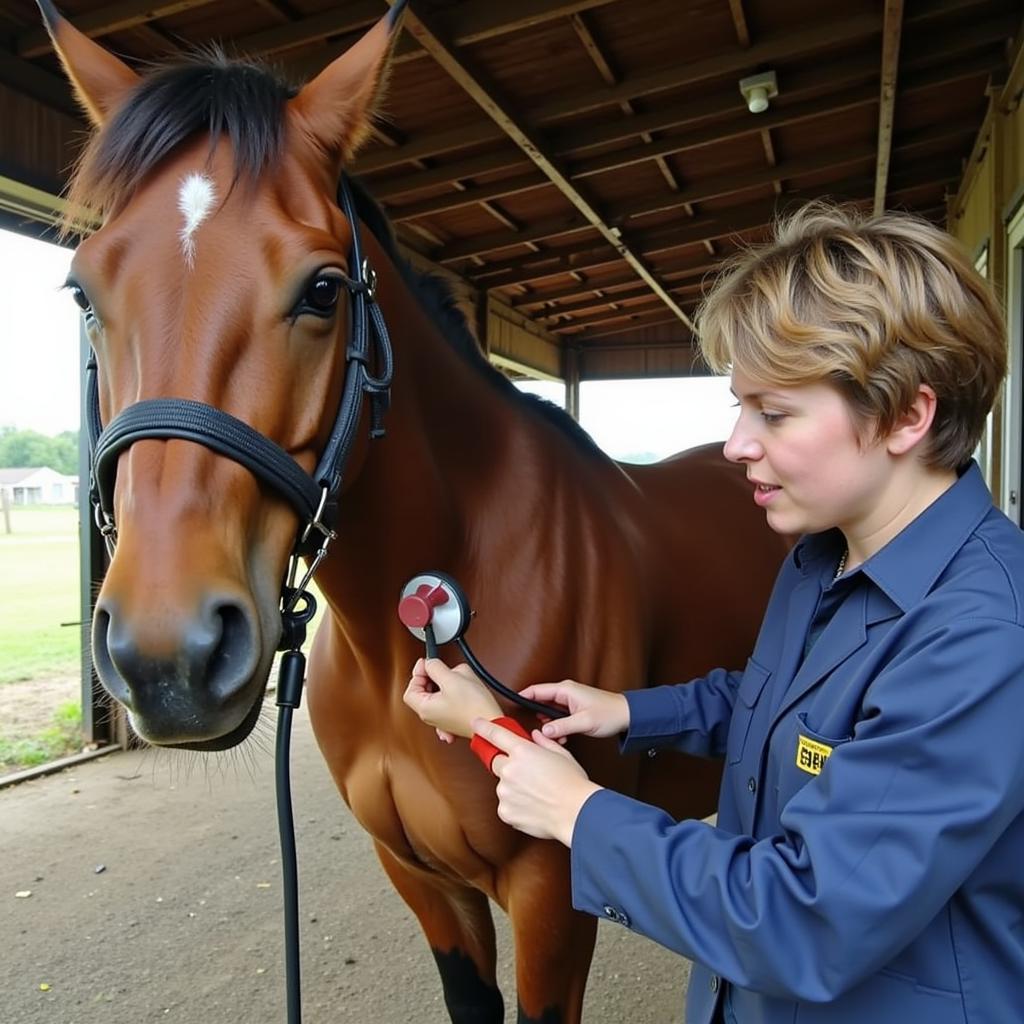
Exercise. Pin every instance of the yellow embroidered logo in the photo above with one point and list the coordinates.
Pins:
(811, 755)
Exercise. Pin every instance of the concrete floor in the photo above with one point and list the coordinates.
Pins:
(183, 922)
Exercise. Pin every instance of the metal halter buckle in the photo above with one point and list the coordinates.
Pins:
(316, 523)
(369, 276)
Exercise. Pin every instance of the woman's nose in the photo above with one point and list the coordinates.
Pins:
(742, 446)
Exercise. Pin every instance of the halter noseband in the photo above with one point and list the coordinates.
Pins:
(314, 497)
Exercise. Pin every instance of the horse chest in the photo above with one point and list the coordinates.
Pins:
(426, 825)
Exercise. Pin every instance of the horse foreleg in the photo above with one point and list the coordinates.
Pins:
(458, 925)
(554, 944)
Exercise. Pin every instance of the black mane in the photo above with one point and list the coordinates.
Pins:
(244, 101)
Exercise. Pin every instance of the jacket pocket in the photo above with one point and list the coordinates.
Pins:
(747, 696)
(804, 756)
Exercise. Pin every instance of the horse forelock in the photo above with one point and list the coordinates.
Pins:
(204, 92)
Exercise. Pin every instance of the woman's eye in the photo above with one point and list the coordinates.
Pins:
(322, 294)
(773, 417)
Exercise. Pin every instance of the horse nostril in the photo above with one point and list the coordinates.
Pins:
(226, 648)
(106, 668)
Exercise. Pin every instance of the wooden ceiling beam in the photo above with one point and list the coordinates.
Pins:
(341, 20)
(739, 21)
(746, 125)
(609, 306)
(722, 224)
(590, 301)
(667, 272)
(105, 20)
(654, 318)
(26, 78)
(630, 87)
(858, 189)
(469, 23)
(943, 69)
(892, 28)
(637, 307)
(776, 48)
(487, 96)
(853, 70)
(471, 195)
(720, 185)
(545, 263)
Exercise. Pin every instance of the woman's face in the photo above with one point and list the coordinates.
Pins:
(809, 468)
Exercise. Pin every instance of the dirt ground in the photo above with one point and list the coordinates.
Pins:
(27, 708)
(155, 896)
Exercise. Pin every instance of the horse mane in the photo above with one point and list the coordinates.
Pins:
(206, 91)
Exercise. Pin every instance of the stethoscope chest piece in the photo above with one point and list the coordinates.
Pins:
(435, 610)
(434, 599)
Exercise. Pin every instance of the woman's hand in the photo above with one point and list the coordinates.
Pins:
(448, 698)
(541, 787)
(592, 712)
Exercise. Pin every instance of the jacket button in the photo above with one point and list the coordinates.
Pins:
(752, 784)
(614, 914)
(713, 983)
(652, 753)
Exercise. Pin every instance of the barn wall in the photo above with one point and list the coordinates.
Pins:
(979, 215)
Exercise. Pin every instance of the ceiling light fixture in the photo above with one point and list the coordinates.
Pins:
(757, 90)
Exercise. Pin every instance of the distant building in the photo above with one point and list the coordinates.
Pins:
(38, 486)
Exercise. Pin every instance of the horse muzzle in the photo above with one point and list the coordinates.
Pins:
(187, 679)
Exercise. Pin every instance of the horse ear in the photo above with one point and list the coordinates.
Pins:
(100, 79)
(336, 107)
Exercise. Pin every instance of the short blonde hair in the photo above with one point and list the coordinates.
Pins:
(875, 306)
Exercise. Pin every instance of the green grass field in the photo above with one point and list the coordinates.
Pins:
(38, 591)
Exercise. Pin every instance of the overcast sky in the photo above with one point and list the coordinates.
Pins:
(39, 380)
(38, 337)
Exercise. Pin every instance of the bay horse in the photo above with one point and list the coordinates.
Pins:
(216, 276)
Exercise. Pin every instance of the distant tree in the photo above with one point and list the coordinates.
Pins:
(30, 448)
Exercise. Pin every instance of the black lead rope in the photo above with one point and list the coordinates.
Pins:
(289, 696)
(314, 498)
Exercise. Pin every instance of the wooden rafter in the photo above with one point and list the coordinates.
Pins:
(938, 67)
(673, 76)
(486, 95)
(630, 87)
(721, 185)
(891, 31)
(731, 222)
(668, 271)
(739, 20)
(113, 18)
(469, 23)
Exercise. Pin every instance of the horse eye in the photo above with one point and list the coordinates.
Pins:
(322, 294)
(81, 299)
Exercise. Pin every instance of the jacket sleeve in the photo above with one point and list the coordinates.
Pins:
(691, 717)
(867, 853)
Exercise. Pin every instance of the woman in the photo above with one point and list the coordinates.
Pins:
(865, 865)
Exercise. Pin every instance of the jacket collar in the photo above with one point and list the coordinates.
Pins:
(908, 566)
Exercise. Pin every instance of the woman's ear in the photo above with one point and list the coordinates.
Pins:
(912, 426)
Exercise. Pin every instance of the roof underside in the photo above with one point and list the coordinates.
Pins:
(592, 162)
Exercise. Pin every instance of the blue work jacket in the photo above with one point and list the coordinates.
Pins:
(868, 858)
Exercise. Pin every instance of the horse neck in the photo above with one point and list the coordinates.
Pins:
(460, 459)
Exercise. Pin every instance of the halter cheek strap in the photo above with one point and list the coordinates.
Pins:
(314, 497)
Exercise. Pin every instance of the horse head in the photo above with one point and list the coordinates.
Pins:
(217, 276)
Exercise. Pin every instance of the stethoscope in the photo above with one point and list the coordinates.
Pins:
(434, 608)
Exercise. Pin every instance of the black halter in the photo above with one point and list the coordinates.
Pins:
(314, 497)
